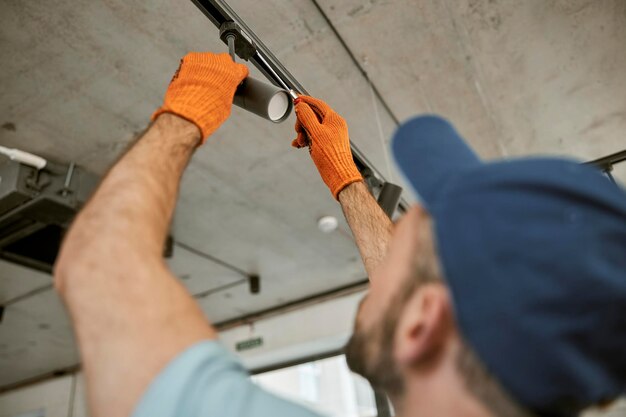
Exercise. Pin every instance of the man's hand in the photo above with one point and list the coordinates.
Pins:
(202, 90)
(326, 134)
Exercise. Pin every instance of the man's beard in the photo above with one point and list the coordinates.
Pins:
(370, 354)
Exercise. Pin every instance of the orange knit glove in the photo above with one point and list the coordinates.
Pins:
(202, 90)
(326, 135)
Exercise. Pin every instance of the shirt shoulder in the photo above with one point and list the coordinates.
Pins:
(206, 380)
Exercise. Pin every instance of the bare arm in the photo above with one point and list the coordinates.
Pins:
(369, 224)
(131, 316)
(325, 133)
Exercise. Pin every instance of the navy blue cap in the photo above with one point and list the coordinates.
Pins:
(534, 253)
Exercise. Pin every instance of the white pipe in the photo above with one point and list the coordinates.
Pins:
(24, 157)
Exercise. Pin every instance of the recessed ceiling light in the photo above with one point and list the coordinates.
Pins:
(328, 224)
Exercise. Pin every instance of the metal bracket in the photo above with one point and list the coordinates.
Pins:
(389, 198)
(254, 284)
(244, 45)
(68, 180)
(606, 163)
(36, 181)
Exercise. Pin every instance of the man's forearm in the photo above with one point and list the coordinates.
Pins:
(369, 224)
(132, 208)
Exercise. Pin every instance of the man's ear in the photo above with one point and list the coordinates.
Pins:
(424, 325)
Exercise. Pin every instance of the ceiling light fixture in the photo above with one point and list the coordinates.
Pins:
(328, 224)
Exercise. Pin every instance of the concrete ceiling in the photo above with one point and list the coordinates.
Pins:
(78, 82)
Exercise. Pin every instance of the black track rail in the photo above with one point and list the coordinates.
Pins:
(606, 163)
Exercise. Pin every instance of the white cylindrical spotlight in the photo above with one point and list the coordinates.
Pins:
(265, 100)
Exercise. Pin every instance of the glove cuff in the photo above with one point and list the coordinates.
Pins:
(206, 123)
(343, 184)
(344, 173)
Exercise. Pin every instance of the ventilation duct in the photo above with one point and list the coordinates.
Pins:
(36, 208)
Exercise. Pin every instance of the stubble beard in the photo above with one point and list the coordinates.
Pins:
(370, 354)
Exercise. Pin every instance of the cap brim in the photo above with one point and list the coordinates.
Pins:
(430, 152)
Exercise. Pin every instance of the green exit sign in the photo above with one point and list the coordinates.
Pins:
(249, 344)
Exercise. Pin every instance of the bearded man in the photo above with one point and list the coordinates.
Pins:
(502, 294)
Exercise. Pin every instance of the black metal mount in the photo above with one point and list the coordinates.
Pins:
(244, 46)
(606, 163)
(254, 283)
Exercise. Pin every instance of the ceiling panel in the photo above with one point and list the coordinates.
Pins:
(412, 53)
(516, 78)
(198, 273)
(17, 281)
(35, 338)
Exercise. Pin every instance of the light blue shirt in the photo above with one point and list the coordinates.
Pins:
(208, 381)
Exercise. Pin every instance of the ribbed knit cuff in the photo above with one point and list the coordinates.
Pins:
(345, 183)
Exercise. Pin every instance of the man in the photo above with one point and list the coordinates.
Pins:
(503, 295)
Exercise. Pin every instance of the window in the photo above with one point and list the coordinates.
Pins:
(325, 385)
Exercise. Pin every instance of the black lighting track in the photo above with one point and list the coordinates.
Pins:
(219, 12)
(606, 162)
